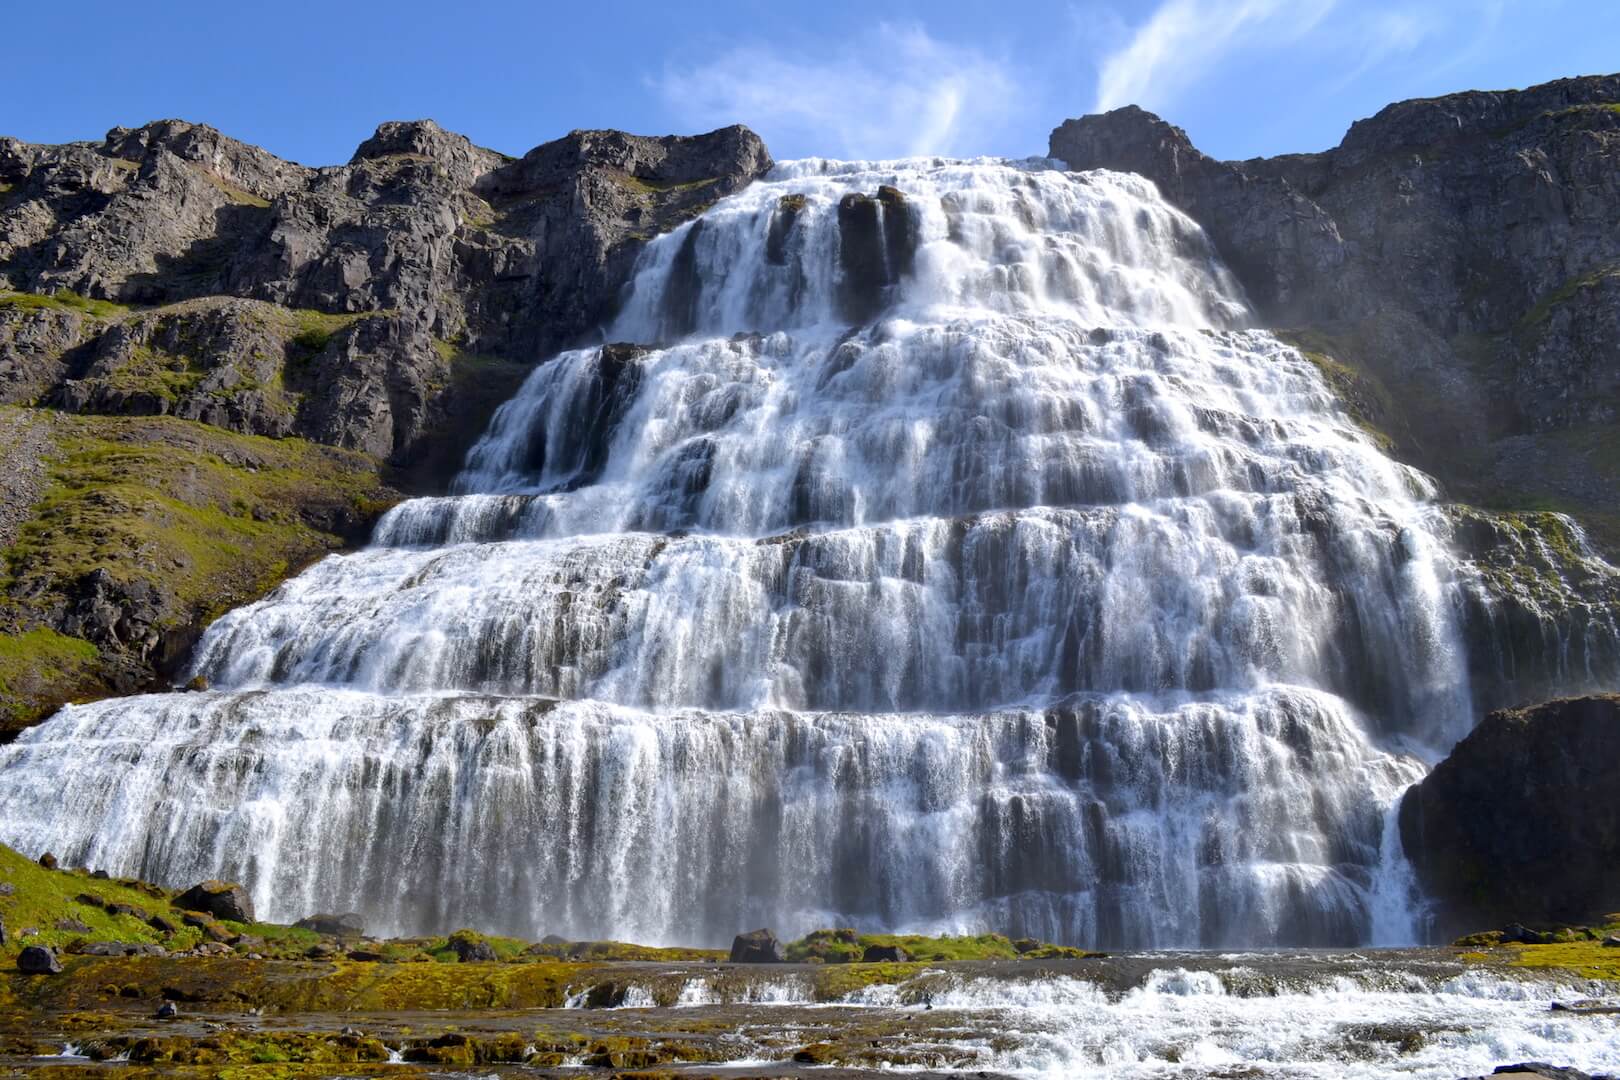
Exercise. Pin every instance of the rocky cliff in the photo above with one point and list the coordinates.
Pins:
(1457, 256)
(215, 364)
(1522, 821)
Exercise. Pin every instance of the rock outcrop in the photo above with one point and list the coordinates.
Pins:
(1522, 820)
(221, 899)
(382, 308)
(757, 947)
(1458, 252)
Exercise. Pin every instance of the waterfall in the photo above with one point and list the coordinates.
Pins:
(933, 549)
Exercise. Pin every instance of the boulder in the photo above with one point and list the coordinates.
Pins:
(48, 861)
(884, 954)
(757, 947)
(162, 925)
(7, 888)
(346, 925)
(221, 899)
(128, 909)
(167, 1011)
(1610, 942)
(39, 960)
(72, 926)
(1521, 821)
(470, 947)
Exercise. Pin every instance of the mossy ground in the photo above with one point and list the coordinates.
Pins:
(63, 300)
(208, 517)
(848, 946)
(40, 898)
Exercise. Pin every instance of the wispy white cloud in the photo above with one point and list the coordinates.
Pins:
(1184, 39)
(892, 91)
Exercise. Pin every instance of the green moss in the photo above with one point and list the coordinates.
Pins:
(646, 186)
(63, 300)
(1544, 307)
(235, 194)
(208, 517)
(1588, 959)
(41, 897)
(40, 669)
(315, 329)
(848, 946)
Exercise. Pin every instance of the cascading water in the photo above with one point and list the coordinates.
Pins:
(957, 563)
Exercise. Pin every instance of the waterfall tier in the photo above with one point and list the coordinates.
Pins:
(936, 552)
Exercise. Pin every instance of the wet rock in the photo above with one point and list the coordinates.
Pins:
(322, 950)
(100, 875)
(39, 960)
(350, 924)
(221, 899)
(48, 861)
(884, 954)
(1542, 1070)
(470, 947)
(553, 939)
(365, 956)
(1519, 823)
(1612, 941)
(757, 947)
(167, 1011)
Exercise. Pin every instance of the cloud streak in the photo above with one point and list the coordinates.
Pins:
(1184, 39)
(893, 91)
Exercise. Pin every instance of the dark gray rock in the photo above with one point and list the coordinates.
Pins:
(351, 924)
(470, 947)
(1612, 941)
(1522, 820)
(38, 960)
(162, 925)
(1544, 1071)
(757, 947)
(221, 899)
(1460, 250)
(447, 249)
(72, 926)
(128, 909)
(48, 861)
(884, 954)
(167, 1011)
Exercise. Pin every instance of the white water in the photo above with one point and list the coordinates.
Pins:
(1039, 597)
(1365, 1021)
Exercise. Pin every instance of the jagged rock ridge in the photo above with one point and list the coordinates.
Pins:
(384, 307)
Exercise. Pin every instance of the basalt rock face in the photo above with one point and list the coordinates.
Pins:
(447, 253)
(1460, 251)
(383, 308)
(1522, 820)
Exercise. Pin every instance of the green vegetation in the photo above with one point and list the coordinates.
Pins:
(62, 300)
(317, 328)
(650, 187)
(203, 518)
(1588, 959)
(1563, 294)
(231, 191)
(39, 661)
(41, 898)
(847, 946)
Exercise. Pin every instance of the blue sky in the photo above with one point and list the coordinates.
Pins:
(829, 77)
